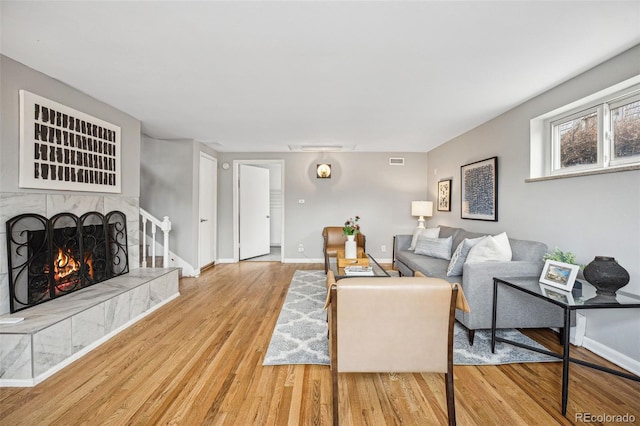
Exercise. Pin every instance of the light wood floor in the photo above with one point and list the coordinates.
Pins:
(198, 360)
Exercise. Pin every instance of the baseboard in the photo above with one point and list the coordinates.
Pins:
(228, 260)
(187, 269)
(304, 260)
(609, 354)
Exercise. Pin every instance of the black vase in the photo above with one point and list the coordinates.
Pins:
(606, 275)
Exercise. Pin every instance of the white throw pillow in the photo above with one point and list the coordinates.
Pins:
(435, 247)
(460, 255)
(427, 232)
(491, 248)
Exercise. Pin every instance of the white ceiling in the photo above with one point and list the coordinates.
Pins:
(260, 76)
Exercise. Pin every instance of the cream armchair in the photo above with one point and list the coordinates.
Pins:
(392, 325)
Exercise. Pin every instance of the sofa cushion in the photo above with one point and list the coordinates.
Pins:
(430, 266)
(460, 255)
(491, 248)
(439, 248)
(447, 231)
(531, 251)
(427, 232)
(463, 234)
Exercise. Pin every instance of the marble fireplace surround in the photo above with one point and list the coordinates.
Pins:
(56, 333)
(86, 318)
(48, 205)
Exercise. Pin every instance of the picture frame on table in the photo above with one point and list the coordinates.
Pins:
(444, 195)
(559, 274)
(557, 294)
(479, 190)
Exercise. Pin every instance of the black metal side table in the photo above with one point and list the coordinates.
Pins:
(569, 301)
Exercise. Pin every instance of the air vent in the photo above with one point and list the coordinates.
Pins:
(396, 161)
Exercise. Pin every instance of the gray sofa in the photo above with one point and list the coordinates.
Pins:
(515, 309)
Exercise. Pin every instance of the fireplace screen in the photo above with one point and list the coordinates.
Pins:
(49, 258)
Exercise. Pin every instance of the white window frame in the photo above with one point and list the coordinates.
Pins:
(544, 158)
(624, 100)
(554, 141)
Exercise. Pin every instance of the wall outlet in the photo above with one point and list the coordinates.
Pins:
(383, 248)
(300, 248)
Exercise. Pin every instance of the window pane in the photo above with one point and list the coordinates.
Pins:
(625, 123)
(578, 141)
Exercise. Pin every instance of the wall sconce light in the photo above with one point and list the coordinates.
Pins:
(421, 209)
(323, 171)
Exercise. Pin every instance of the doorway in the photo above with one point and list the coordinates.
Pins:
(207, 205)
(253, 216)
(275, 222)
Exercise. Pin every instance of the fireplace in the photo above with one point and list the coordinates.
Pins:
(49, 258)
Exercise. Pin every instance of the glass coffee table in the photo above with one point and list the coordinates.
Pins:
(339, 273)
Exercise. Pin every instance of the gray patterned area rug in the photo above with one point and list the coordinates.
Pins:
(300, 334)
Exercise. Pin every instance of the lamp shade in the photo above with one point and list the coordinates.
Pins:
(422, 208)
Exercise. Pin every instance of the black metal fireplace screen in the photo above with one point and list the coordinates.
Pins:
(49, 258)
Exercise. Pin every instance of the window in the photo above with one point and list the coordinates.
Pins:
(625, 131)
(575, 141)
(598, 133)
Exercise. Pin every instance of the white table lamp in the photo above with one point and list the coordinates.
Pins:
(422, 209)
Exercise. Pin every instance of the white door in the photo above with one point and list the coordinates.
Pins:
(207, 210)
(254, 211)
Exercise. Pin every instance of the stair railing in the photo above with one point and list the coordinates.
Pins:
(165, 227)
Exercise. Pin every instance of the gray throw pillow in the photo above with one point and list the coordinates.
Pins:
(460, 256)
(427, 232)
(435, 247)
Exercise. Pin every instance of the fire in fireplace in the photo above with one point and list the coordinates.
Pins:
(49, 258)
(65, 269)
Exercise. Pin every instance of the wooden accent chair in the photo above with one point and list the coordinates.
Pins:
(392, 325)
(334, 241)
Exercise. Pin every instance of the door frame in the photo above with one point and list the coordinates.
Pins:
(215, 210)
(236, 200)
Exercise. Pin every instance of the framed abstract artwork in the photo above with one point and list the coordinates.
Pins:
(479, 190)
(444, 195)
(65, 149)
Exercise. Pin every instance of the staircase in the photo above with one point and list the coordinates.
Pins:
(155, 261)
(148, 260)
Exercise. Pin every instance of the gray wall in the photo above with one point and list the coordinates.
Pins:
(15, 200)
(589, 216)
(15, 76)
(169, 187)
(362, 184)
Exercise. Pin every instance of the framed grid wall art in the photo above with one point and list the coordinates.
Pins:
(479, 189)
(65, 149)
(444, 195)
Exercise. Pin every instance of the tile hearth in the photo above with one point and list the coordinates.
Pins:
(54, 334)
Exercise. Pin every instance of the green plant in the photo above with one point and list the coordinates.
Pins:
(562, 256)
(351, 226)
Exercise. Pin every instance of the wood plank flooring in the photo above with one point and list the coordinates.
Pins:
(198, 361)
